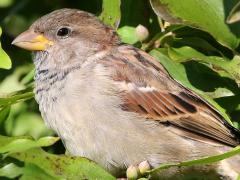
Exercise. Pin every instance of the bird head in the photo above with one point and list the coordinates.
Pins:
(66, 33)
(65, 26)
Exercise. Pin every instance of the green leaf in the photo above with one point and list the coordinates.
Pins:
(185, 53)
(42, 165)
(10, 171)
(111, 12)
(5, 3)
(143, 15)
(5, 61)
(207, 15)
(4, 114)
(12, 82)
(234, 15)
(178, 72)
(140, 15)
(31, 171)
(194, 42)
(23, 144)
(62, 166)
(128, 34)
(32, 120)
(201, 161)
(15, 97)
(233, 68)
(29, 77)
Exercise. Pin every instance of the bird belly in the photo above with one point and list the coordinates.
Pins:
(114, 141)
(88, 118)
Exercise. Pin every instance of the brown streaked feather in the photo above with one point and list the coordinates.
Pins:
(149, 91)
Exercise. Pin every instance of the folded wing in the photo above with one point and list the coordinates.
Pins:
(149, 91)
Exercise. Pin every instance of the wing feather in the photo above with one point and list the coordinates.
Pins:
(149, 91)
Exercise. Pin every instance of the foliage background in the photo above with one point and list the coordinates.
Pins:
(196, 41)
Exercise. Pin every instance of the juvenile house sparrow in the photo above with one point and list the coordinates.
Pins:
(114, 103)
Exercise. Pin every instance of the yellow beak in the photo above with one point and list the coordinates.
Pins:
(32, 41)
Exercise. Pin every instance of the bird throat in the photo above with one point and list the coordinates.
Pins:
(49, 81)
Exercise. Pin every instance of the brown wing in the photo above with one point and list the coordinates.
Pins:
(149, 91)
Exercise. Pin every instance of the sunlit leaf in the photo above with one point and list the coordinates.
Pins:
(23, 144)
(32, 120)
(5, 3)
(62, 166)
(207, 15)
(15, 97)
(11, 171)
(111, 12)
(39, 163)
(12, 82)
(201, 161)
(31, 171)
(5, 61)
(233, 68)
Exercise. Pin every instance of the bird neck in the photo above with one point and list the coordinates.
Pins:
(49, 80)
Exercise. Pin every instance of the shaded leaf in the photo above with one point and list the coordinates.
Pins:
(196, 43)
(234, 15)
(16, 23)
(230, 103)
(186, 53)
(140, 15)
(4, 114)
(29, 77)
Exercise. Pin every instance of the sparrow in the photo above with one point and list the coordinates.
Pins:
(117, 105)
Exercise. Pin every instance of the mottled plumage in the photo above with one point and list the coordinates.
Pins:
(117, 105)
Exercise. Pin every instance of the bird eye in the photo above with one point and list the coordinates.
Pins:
(63, 32)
